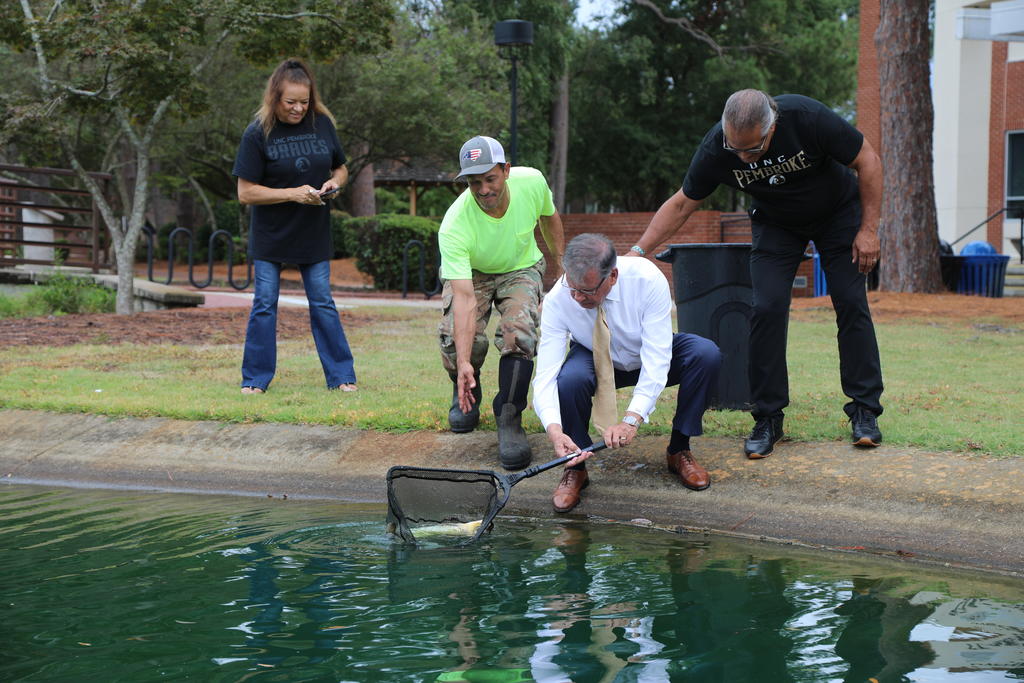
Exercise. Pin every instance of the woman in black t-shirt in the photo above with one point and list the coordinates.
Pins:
(288, 162)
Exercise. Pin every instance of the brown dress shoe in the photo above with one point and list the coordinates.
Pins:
(689, 470)
(567, 493)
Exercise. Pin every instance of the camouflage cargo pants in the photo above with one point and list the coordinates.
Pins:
(516, 295)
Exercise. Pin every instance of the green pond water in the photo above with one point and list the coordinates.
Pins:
(130, 586)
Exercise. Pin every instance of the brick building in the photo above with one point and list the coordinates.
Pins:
(978, 96)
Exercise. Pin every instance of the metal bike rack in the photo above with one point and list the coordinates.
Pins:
(150, 234)
(423, 270)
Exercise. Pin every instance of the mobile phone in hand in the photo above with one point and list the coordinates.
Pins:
(329, 193)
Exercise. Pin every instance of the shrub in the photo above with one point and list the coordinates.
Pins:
(62, 294)
(340, 234)
(379, 242)
(18, 306)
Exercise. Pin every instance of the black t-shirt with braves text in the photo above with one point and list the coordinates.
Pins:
(802, 178)
(293, 155)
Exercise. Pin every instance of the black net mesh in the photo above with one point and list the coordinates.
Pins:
(420, 496)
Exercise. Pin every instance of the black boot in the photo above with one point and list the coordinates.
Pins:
(459, 421)
(514, 374)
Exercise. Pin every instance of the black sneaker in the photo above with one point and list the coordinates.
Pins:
(767, 430)
(865, 428)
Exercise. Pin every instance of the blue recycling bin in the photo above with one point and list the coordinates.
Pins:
(714, 293)
(983, 274)
(982, 270)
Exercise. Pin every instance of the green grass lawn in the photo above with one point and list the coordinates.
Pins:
(952, 386)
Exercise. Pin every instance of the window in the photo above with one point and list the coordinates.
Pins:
(1015, 174)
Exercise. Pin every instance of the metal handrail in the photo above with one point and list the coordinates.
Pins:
(150, 233)
(423, 270)
(988, 220)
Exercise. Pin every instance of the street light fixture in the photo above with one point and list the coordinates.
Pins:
(512, 35)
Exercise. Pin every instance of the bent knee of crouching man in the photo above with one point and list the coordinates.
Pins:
(517, 339)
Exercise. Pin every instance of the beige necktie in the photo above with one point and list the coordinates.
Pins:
(605, 413)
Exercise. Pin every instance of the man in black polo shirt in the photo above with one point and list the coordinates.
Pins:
(812, 176)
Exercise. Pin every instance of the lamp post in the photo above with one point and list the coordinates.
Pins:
(511, 35)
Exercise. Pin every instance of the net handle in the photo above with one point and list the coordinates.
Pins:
(537, 469)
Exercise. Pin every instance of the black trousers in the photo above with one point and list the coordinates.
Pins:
(775, 255)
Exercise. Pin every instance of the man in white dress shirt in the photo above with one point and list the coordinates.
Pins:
(634, 296)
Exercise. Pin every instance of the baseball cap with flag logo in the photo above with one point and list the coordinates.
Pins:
(479, 155)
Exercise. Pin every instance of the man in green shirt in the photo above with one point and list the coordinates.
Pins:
(489, 257)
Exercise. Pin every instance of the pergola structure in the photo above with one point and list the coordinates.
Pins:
(416, 175)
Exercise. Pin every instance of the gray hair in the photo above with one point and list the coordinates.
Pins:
(748, 109)
(587, 252)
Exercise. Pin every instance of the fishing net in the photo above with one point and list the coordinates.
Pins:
(419, 496)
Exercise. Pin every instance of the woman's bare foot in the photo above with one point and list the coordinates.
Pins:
(252, 390)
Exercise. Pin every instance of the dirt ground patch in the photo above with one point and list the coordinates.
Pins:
(227, 325)
(191, 326)
(890, 307)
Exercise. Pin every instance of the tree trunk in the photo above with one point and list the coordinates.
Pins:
(125, 262)
(559, 152)
(908, 232)
(363, 201)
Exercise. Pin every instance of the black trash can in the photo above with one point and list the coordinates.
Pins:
(951, 266)
(713, 297)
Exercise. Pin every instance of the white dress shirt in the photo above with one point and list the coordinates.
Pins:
(638, 310)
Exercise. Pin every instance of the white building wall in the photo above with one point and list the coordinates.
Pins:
(961, 98)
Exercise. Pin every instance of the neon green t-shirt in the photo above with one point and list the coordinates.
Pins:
(471, 240)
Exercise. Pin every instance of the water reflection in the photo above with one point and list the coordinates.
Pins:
(158, 587)
(698, 614)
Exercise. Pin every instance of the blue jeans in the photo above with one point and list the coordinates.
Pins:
(260, 358)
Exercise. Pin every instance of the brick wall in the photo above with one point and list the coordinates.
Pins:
(1006, 114)
(623, 229)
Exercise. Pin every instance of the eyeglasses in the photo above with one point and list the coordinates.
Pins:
(583, 292)
(749, 150)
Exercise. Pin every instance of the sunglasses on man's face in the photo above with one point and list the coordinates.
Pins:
(749, 150)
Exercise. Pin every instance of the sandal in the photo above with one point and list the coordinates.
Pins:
(252, 390)
(344, 387)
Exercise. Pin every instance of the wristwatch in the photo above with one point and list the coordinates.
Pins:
(633, 421)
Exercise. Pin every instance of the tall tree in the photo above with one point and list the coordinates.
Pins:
(418, 100)
(110, 73)
(647, 86)
(543, 70)
(909, 233)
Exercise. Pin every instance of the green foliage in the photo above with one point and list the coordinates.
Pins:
(435, 87)
(538, 66)
(644, 92)
(109, 74)
(341, 235)
(21, 306)
(60, 295)
(379, 243)
(432, 203)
